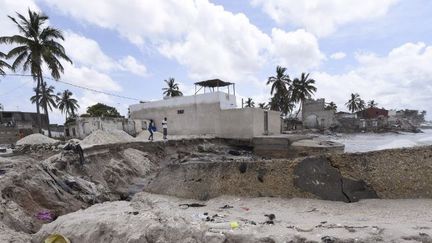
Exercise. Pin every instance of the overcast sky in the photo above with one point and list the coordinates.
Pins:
(380, 49)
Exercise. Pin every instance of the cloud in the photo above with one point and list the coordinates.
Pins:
(400, 79)
(90, 78)
(201, 36)
(87, 52)
(323, 17)
(10, 7)
(297, 50)
(338, 55)
(130, 64)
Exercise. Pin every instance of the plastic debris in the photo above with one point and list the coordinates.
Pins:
(56, 238)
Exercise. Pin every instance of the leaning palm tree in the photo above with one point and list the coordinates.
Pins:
(355, 103)
(372, 104)
(249, 103)
(280, 82)
(67, 104)
(302, 88)
(172, 90)
(3, 64)
(46, 98)
(36, 45)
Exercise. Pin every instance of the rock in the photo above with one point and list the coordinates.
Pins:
(317, 176)
(234, 152)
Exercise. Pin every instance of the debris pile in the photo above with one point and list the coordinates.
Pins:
(36, 138)
(156, 218)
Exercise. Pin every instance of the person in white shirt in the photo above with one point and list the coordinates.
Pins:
(165, 128)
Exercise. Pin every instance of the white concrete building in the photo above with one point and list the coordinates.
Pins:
(213, 113)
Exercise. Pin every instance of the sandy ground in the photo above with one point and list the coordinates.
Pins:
(157, 218)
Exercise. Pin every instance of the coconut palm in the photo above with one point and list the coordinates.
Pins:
(67, 104)
(282, 103)
(302, 88)
(249, 103)
(36, 45)
(46, 98)
(3, 64)
(263, 105)
(372, 104)
(355, 103)
(331, 106)
(280, 82)
(172, 90)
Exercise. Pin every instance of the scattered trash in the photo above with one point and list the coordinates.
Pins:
(270, 217)
(312, 210)
(328, 239)
(2, 172)
(134, 213)
(191, 205)
(226, 206)
(245, 208)
(56, 238)
(45, 215)
(227, 225)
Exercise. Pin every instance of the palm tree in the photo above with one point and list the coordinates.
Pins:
(3, 64)
(280, 82)
(355, 103)
(331, 106)
(46, 98)
(173, 89)
(263, 105)
(249, 103)
(302, 88)
(67, 104)
(35, 45)
(372, 104)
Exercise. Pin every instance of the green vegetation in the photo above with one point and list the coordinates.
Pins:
(46, 99)
(67, 104)
(36, 45)
(172, 90)
(249, 103)
(3, 64)
(355, 103)
(101, 110)
(331, 106)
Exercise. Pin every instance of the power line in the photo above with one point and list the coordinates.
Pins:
(77, 86)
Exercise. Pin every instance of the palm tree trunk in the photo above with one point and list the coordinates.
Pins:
(301, 104)
(39, 120)
(46, 112)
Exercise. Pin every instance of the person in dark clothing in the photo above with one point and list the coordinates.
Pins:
(151, 128)
(165, 128)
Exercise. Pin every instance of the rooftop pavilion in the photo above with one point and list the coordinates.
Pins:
(211, 84)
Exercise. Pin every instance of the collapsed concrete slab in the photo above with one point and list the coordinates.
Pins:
(317, 176)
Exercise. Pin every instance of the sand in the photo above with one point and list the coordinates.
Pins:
(36, 138)
(144, 135)
(106, 137)
(157, 218)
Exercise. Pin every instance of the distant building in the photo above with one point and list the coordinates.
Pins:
(16, 124)
(315, 115)
(81, 127)
(372, 113)
(213, 112)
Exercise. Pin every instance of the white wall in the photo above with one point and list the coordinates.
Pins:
(224, 100)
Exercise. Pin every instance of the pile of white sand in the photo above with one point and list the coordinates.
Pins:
(36, 138)
(144, 135)
(105, 137)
